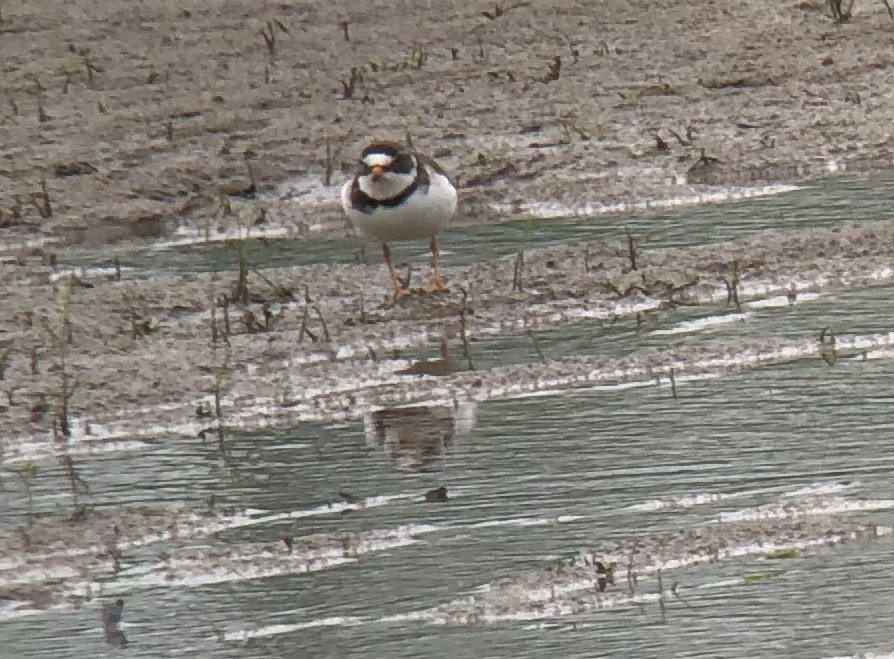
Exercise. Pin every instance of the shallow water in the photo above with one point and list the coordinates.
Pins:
(836, 200)
(529, 480)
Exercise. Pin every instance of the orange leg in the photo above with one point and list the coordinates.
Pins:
(397, 287)
(437, 284)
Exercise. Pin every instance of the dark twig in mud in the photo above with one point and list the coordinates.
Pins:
(587, 267)
(280, 291)
(218, 381)
(463, 334)
(631, 576)
(828, 350)
(349, 86)
(496, 13)
(555, 69)
(225, 303)
(4, 361)
(66, 310)
(42, 115)
(518, 272)
(611, 287)
(344, 26)
(214, 334)
(332, 155)
(169, 131)
(226, 209)
(66, 391)
(406, 281)
(26, 475)
(703, 160)
(673, 381)
(90, 68)
(323, 323)
(632, 249)
(61, 436)
(241, 293)
(661, 598)
(247, 156)
(888, 7)
(676, 289)
(732, 286)
(269, 36)
(251, 322)
(41, 200)
(304, 328)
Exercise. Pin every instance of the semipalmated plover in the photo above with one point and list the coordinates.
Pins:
(398, 194)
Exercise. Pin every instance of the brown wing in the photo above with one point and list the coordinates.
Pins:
(434, 166)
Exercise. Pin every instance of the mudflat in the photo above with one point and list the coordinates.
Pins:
(140, 118)
(123, 121)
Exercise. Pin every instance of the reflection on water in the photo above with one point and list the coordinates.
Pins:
(111, 620)
(416, 438)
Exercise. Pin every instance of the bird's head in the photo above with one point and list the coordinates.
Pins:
(386, 169)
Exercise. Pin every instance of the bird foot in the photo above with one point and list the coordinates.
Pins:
(436, 286)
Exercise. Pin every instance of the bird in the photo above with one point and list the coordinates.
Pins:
(398, 194)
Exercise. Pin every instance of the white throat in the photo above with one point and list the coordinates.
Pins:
(387, 187)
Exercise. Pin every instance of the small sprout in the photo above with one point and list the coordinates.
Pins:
(703, 161)
(732, 286)
(349, 86)
(323, 322)
(269, 39)
(689, 136)
(555, 69)
(828, 350)
(343, 25)
(632, 249)
(41, 200)
(42, 115)
(495, 14)
(518, 272)
(463, 335)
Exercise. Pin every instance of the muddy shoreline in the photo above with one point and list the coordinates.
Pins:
(145, 354)
(145, 121)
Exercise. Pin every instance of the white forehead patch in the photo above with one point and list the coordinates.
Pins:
(380, 159)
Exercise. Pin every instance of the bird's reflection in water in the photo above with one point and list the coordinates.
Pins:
(417, 438)
(111, 614)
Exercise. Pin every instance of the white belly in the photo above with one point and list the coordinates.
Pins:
(422, 215)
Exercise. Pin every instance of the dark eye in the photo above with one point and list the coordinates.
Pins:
(364, 169)
(403, 164)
